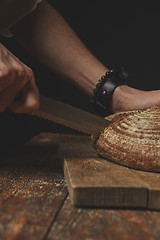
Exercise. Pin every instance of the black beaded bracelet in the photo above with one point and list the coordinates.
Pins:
(105, 88)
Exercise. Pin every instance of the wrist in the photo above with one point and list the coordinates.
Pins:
(92, 80)
(107, 84)
(119, 98)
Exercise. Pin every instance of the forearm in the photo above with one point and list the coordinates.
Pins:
(51, 40)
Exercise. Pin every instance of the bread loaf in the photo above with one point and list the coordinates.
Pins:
(132, 139)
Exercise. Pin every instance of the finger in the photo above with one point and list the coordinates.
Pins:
(29, 99)
(7, 75)
(15, 76)
(8, 95)
(12, 72)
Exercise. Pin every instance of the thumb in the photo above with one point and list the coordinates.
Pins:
(27, 100)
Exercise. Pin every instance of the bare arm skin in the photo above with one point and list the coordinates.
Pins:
(47, 35)
(52, 41)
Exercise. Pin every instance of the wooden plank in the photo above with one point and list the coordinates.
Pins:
(33, 202)
(32, 189)
(92, 181)
(153, 183)
(82, 223)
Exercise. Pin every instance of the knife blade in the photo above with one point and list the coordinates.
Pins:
(70, 116)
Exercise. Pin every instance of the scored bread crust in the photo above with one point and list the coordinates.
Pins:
(132, 139)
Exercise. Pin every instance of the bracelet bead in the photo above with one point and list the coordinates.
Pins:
(105, 88)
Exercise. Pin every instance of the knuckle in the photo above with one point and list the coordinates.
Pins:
(4, 72)
(7, 75)
(21, 71)
(20, 77)
(30, 72)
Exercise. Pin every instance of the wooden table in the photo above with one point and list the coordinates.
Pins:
(34, 201)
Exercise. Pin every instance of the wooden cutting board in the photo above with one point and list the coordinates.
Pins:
(96, 182)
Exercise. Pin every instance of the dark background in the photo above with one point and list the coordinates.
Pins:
(124, 34)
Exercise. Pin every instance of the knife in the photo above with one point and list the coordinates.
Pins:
(70, 116)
